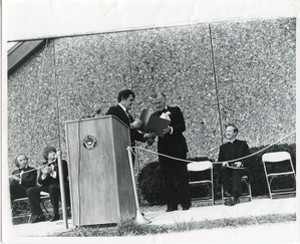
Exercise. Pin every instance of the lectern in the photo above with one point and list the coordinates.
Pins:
(99, 172)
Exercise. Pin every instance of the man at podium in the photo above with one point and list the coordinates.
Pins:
(121, 110)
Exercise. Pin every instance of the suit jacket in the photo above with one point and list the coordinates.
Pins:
(50, 180)
(120, 113)
(237, 149)
(28, 179)
(175, 143)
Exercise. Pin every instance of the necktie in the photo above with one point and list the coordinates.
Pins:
(129, 117)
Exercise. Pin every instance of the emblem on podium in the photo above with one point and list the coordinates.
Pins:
(89, 142)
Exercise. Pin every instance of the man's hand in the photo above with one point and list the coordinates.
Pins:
(14, 177)
(149, 135)
(136, 124)
(46, 170)
(225, 164)
(167, 130)
(150, 141)
(238, 164)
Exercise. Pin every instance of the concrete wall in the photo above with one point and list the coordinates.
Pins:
(255, 68)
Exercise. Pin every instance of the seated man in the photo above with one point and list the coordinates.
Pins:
(232, 172)
(22, 178)
(49, 182)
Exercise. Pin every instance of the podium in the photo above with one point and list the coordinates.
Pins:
(99, 172)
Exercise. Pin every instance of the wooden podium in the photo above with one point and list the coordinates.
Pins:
(99, 172)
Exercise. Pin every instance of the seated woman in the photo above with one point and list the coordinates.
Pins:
(22, 178)
(49, 182)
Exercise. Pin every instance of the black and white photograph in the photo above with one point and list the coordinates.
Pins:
(149, 121)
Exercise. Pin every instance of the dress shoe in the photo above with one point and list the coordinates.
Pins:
(231, 201)
(37, 218)
(171, 209)
(54, 218)
(186, 207)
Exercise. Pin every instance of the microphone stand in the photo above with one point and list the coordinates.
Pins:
(62, 189)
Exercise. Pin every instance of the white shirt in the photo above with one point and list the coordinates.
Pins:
(123, 108)
(166, 116)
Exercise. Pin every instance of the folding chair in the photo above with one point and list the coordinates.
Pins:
(203, 166)
(43, 197)
(279, 169)
(248, 194)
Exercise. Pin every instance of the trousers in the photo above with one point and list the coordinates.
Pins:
(177, 190)
(33, 194)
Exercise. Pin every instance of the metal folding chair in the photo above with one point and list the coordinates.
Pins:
(43, 197)
(279, 172)
(203, 166)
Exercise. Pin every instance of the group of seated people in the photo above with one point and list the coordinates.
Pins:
(27, 181)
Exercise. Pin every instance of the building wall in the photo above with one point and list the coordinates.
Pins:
(255, 86)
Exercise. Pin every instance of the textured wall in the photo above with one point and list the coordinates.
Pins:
(255, 66)
(255, 72)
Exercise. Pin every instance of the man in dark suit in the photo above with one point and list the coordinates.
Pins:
(173, 144)
(49, 182)
(232, 172)
(22, 178)
(121, 110)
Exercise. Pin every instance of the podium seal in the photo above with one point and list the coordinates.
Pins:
(89, 142)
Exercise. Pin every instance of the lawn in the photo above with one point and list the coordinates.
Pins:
(130, 228)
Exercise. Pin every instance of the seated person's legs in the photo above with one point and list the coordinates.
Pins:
(226, 174)
(54, 192)
(33, 194)
(67, 192)
(237, 182)
(17, 191)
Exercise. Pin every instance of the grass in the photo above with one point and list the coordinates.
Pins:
(130, 228)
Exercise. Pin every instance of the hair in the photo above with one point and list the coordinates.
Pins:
(235, 129)
(16, 160)
(124, 94)
(157, 94)
(48, 150)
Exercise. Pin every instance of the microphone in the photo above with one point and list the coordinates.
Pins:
(97, 112)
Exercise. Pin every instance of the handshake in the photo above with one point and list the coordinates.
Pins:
(150, 138)
(137, 124)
